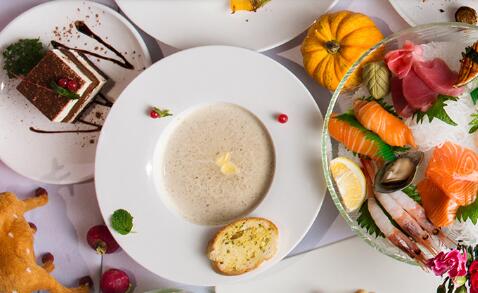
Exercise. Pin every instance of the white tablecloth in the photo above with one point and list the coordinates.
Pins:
(72, 210)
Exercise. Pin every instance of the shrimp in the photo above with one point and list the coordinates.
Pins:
(394, 235)
(406, 222)
(418, 213)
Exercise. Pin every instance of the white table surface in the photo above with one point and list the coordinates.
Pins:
(72, 209)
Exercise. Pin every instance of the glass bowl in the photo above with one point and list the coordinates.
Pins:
(462, 35)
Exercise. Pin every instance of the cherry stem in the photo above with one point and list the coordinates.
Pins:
(101, 248)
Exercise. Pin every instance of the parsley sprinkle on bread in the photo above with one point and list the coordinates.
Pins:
(243, 245)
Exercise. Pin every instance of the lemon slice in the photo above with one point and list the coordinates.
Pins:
(351, 182)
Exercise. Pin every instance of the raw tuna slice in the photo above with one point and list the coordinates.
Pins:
(400, 61)
(399, 103)
(437, 76)
(417, 93)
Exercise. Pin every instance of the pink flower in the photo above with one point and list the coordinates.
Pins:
(452, 262)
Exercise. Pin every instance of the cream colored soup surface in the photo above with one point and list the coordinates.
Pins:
(192, 177)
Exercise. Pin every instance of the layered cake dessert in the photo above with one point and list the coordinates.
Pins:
(62, 84)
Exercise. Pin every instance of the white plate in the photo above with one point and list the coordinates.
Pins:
(61, 158)
(164, 242)
(191, 23)
(417, 12)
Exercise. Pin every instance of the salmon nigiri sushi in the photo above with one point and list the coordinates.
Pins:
(439, 208)
(454, 169)
(354, 138)
(390, 128)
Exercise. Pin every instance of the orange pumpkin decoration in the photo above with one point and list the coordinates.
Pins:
(334, 42)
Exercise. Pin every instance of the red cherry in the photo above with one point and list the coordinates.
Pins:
(63, 82)
(154, 114)
(282, 118)
(114, 281)
(101, 240)
(47, 257)
(72, 85)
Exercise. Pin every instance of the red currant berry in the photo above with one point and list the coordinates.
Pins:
(282, 118)
(63, 82)
(47, 257)
(154, 114)
(72, 85)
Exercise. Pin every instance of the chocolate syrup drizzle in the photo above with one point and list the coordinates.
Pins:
(84, 29)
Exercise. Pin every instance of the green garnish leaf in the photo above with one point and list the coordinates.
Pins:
(437, 111)
(474, 95)
(63, 91)
(162, 113)
(122, 221)
(365, 221)
(473, 123)
(22, 56)
(385, 151)
(468, 212)
(412, 192)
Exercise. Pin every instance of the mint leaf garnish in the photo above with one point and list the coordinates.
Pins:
(122, 221)
(63, 91)
(22, 56)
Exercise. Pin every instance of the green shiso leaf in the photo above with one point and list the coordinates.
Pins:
(474, 95)
(468, 212)
(385, 151)
(412, 192)
(63, 91)
(22, 56)
(473, 123)
(365, 221)
(122, 221)
(437, 111)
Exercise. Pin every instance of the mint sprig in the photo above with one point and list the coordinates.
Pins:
(437, 111)
(122, 221)
(63, 91)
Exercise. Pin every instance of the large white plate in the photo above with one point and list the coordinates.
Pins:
(416, 12)
(164, 242)
(191, 23)
(61, 158)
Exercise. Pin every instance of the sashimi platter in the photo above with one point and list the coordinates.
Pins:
(402, 162)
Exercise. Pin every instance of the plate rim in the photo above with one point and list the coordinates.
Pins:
(263, 49)
(232, 279)
(117, 15)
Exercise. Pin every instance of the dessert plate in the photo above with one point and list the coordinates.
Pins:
(187, 23)
(62, 158)
(422, 12)
(127, 171)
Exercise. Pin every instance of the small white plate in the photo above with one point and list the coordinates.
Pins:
(416, 12)
(61, 158)
(164, 242)
(191, 23)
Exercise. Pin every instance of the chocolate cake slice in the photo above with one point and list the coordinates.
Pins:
(58, 64)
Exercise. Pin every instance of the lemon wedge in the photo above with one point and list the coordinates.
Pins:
(351, 182)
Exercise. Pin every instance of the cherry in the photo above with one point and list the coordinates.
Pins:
(63, 82)
(282, 118)
(40, 191)
(101, 240)
(72, 85)
(47, 257)
(114, 281)
(154, 114)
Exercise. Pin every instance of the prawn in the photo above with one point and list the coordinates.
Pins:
(418, 213)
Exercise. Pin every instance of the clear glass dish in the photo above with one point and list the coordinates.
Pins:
(463, 35)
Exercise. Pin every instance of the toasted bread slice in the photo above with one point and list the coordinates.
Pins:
(243, 245)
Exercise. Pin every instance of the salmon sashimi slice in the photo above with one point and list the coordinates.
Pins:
(439, 208)
(352, 138)
(454, 169)
(390, 128)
